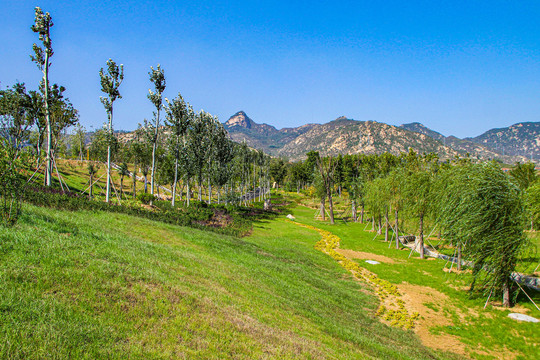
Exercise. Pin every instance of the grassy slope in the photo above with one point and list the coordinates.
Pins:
(492, 329)
(99, 285)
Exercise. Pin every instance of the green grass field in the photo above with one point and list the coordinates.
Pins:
(483, 332)
(101, 285)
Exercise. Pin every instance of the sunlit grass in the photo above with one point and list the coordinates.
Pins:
(102, 285)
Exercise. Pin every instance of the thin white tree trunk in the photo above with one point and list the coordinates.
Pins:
(108, 191)
(48, 171)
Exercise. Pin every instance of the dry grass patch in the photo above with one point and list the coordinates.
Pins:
(351, 254)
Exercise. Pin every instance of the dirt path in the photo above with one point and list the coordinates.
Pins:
(408, 306)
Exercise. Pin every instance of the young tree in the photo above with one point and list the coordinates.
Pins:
(110, 82)
(78, 142)
(122, 171)
(42, 25)
(157, 77)
(179, 117)
(92, 170)
(483, 208)
(278, 170)
(15, 123)
(326, 169)
(524, 174)
(532, 202)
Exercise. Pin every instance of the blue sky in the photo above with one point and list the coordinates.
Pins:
(458, 67)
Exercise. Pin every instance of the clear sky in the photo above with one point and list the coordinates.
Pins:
(459, 67)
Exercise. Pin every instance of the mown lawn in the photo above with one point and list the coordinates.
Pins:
(479, 329)
(101, 285)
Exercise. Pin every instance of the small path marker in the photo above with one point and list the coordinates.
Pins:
(372, 262)
(522, 317)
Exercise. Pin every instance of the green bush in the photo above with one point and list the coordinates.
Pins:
(194, 216)
(146, 198)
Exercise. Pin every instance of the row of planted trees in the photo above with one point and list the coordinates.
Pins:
(177, 147)
(477, 208)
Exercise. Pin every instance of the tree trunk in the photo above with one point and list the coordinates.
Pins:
(154, 148)
(506, 293)
(209, 192)
(459, 257)
(108, 193)
(379, 228)
(353, 210)
(135, 181)
(386, 225)
(188, 194)
(421, 236)
(91, 186)
(397, 229)
(323, 214)
(331, 206)
(145, 184)
(175, 180)
(121, 186)
(48, 171)
(362, 214)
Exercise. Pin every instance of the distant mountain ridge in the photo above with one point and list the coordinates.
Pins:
(348, 136)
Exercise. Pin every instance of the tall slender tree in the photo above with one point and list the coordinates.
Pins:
(110, 82)
(178, 118)
(42, 25)
(157, 77)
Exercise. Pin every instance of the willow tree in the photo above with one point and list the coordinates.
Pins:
(395, 182)
(42, 25)
(157, 77)
(418, 190)
(179, 117)
(110, 82)
(327, 169)
(482, 208)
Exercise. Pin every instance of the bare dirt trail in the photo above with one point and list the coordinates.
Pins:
(430, 308)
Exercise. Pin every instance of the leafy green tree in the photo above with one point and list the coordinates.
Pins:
(418, 189)
(78, 142)
(157, 77)
(327, 169)
(278, 170)
(524, 174)
(15, 124)
(15, 120)
(179, 117)
(110, 82)
(532, 202)
(200, 145)
(92, 170)
(222, 154)
(102, 145)
(482, 208)
(418, 192)
(122, 171)
(42, 25)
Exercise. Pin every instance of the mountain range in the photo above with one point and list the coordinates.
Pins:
(518, 142)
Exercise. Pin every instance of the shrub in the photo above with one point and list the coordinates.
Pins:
(146, 198)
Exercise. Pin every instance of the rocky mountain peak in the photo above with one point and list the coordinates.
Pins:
(240, 119)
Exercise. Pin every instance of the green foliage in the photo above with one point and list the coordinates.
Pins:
(482, 209)
(278, 170)
(146, 198)
(524, 174)
(11, 183)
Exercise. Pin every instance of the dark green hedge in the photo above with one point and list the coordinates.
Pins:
(193, 216)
